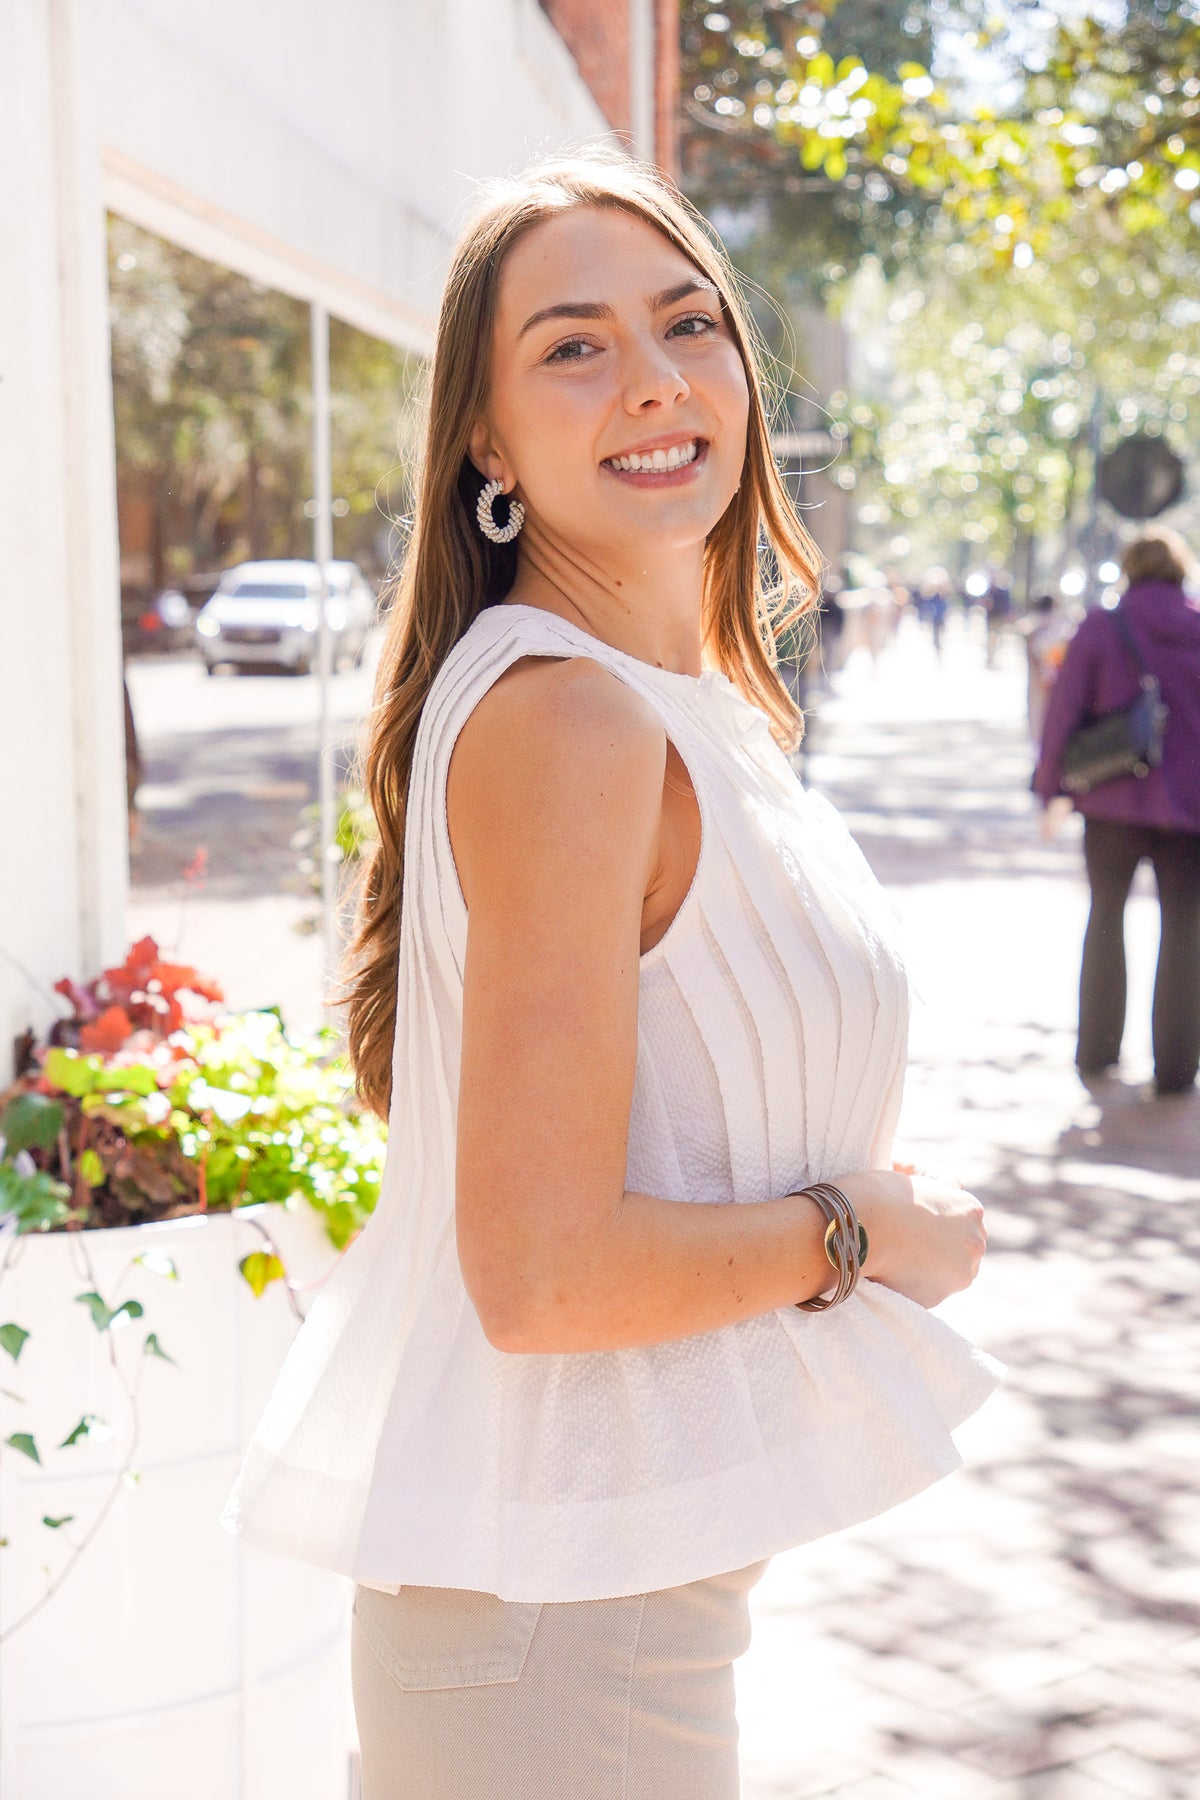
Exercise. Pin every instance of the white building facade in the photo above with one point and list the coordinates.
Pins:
(327, 151)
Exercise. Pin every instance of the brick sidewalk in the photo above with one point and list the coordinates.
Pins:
(1030, 1627)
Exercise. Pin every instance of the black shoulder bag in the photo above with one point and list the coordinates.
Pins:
(1128, 741)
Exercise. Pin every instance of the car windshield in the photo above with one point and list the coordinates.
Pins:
(269, 590)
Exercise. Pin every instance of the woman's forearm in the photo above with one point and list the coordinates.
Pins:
(670, 1269)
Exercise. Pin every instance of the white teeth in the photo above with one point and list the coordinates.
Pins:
(674, 458)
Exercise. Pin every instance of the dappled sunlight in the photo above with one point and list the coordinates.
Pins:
(1035, 1620)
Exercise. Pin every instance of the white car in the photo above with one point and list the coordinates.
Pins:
(265, 614)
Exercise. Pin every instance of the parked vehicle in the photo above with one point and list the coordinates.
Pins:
(265, 614)
(163, 623)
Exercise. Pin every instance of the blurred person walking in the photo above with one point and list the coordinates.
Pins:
(933, 605)
(1156, 816)
(832, 636)
(1047, 629)
(630, 1000)
(997, 610)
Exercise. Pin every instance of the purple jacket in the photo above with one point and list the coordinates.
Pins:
(1099, 675)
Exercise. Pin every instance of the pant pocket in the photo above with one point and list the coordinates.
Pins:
(428, 1637)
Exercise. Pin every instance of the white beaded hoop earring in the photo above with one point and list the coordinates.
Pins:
(499, 534)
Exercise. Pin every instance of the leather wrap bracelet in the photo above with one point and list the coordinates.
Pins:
(846, 1244)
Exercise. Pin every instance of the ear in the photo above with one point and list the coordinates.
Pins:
(487, 459)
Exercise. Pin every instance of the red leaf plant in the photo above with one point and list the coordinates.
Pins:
(136, 1004)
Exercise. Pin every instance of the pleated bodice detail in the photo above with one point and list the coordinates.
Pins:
(399, 1446)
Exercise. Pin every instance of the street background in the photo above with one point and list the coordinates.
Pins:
(969, 235)
(1031, 1626)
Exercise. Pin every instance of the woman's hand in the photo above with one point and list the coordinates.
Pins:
(927, 1234)
(1054, 816)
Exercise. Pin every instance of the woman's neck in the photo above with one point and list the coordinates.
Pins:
(650, 609)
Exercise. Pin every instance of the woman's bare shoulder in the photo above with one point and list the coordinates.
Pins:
(558, 752)
(549, 716)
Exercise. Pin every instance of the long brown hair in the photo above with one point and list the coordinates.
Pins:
(761, 566)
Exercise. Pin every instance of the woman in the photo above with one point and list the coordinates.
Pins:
(625, 991)
(1156, 816)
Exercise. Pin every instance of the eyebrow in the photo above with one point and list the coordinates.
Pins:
(600, 309)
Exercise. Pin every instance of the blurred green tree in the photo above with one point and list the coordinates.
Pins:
(211, 401)
(1051, 164)
(823, 116)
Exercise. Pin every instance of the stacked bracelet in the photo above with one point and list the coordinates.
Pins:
(846, 1243)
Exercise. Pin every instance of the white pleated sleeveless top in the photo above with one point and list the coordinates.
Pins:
(400, 1447)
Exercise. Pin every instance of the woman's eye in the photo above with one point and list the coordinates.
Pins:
(700, 324)
(571, 350)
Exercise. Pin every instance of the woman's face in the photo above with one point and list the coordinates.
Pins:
(618, 401)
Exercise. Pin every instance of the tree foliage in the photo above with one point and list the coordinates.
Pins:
(1025, 264)
(211, 397)
(819, 102)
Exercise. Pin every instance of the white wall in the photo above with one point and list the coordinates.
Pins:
(62, 801)
(336, 143)
(325, 149)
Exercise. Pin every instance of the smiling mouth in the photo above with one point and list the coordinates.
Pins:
(658, 462)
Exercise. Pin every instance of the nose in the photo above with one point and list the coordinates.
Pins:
(652, 378)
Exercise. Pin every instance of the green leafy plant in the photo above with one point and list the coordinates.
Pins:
(153, 1114)
(148, 1103)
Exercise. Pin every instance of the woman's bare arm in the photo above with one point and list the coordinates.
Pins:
(554, 803)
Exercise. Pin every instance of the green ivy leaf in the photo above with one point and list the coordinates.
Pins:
(71, 1073)
(103, 1317)
(12, 1339)
(30, 1122)
(55, 1523)
(152, 1347)
(91, 1425)
(38, 1200)
(260, 1269)
(92, 1169)
(130, 1078)
(158, 1263)
(23, 1441)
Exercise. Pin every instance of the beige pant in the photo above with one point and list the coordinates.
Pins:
(462, 1696)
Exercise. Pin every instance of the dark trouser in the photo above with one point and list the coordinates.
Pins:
(1112, 853)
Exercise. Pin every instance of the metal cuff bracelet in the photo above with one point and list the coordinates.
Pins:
(846, 1244)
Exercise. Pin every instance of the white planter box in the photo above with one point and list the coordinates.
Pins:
(171, 1662)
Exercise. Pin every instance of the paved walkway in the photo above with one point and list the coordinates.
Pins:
(1031, 1626)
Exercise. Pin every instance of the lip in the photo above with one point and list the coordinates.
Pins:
(661, 478)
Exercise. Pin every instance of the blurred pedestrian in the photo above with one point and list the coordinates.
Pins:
(831, 638)
(880, 614)
(997, 611)
(933, 604)
(1047, 629)
(1156, 816)
(624, 989)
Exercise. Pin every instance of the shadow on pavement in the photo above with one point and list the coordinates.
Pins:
(240, 793)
